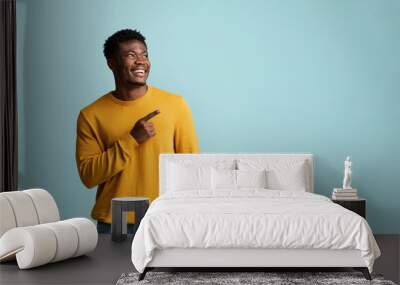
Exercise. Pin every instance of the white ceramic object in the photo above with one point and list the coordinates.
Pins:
(347, 174)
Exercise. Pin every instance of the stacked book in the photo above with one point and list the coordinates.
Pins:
(344, 194)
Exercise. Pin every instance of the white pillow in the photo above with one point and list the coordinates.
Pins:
(223, 179)
(188, 177)
(290, 179)
(251, 178)
(281, 174)
(236, 179)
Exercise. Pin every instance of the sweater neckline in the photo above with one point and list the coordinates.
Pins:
(131, 102)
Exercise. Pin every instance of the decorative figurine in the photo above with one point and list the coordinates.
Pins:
(347, 174)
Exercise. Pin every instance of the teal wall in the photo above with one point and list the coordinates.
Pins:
(261, 76)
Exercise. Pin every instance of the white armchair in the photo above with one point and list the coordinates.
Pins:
(31, 230)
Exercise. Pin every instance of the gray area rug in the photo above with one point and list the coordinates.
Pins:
(229, 278)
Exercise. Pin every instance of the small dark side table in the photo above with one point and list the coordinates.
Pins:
(119, 208)
(358, 206)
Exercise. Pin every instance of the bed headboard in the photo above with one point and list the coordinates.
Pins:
(210, 157)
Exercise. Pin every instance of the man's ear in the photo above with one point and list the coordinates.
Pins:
(111, 63)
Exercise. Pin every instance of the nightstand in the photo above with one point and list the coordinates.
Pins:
(356, 205)
(119, 208)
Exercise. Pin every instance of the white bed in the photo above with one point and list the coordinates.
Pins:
(194, 224)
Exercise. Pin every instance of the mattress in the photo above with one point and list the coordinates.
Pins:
(250, 219)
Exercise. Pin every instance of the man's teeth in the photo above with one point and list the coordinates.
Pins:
(141, 72)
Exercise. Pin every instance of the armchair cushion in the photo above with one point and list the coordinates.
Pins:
(40, 244)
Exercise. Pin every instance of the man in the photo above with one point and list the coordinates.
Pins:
(121, 134)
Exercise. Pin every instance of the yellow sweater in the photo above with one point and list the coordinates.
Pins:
(108, 156)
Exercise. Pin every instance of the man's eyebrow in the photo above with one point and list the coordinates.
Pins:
(131, 50)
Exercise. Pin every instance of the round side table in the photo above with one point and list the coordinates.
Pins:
(119, 207)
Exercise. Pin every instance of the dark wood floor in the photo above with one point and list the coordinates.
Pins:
(389, 262)
(110, 260)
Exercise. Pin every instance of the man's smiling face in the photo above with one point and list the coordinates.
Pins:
(131, 64)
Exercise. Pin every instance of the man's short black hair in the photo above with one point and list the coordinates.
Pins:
(111, 45)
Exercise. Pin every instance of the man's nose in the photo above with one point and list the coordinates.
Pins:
(141, 59)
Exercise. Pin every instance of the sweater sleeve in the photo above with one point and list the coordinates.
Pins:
(185, 138)
(96, 165)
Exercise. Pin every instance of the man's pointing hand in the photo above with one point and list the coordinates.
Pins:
(143, 129)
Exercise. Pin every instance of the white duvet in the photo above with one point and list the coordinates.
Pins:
(251, 218)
